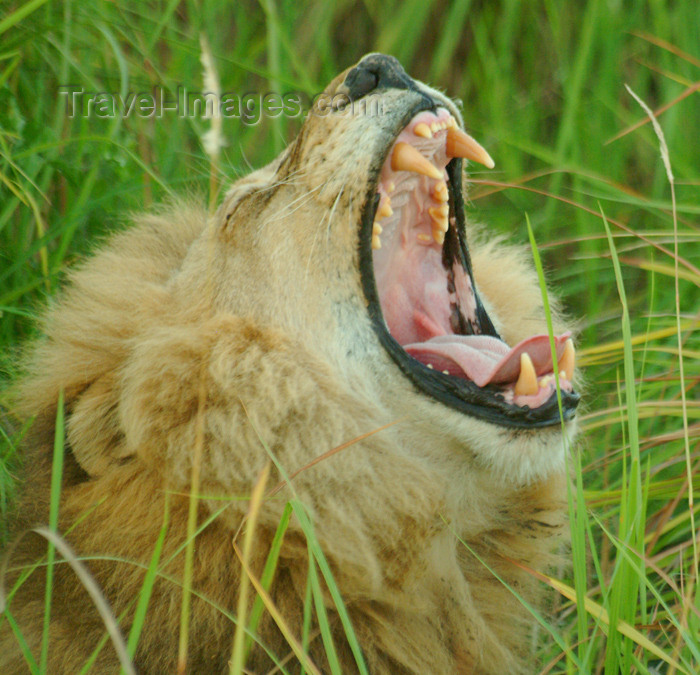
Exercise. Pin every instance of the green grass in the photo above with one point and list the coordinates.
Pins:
(543, 89)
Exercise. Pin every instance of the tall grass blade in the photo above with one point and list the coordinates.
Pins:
(277, 617)
(238, 651)
(56, 477)
(627, 588)
(148, 583)
(268, 574)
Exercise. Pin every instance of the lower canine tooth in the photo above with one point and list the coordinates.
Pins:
(406, 158)
(568, 360)
(376, 241)
(527, 381)
(460, 144)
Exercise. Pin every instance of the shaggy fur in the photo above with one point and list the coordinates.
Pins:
(264, 302)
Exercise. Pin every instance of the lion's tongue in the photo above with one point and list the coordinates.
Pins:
(484, 359)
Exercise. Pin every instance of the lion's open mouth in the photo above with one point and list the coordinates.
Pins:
(418, 280)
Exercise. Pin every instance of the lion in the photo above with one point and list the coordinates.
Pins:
(332, 307)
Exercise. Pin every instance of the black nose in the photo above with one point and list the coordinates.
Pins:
(376, 71)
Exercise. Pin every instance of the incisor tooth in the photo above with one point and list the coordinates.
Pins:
(406, 158)
(527, 381)
(422, 129)
(376, 229)
(568, 360)
(434, 127)
(460, 144)
(385, 210)
(424, 237)
(376, 241)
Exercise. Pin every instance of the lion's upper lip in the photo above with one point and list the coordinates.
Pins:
(429, 315)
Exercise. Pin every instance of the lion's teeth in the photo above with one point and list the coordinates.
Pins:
(391, 186)
(527, 381)
(439, 217)
(406, 158)
(438, 234)
(460, 144)
(385, 210)
(440, 191)
(423, 130)
(424, 237)
(376, 242)
(568, 360)
(376, 229)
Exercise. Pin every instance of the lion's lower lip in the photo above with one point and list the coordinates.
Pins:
(421, 291)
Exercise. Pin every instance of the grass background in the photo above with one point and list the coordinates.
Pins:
(543, 89)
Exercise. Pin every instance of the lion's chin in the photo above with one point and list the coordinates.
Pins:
(422, 297)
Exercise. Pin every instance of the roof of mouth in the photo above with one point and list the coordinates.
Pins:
(428, 303)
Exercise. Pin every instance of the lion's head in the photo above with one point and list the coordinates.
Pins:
(354, 239)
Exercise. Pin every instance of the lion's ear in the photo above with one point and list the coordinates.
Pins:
(93, 427)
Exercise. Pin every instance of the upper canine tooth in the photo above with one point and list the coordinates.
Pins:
(568, 360)
(385, 210)
(527, 381)
(422, 129)
(460, 144)
(406, 158)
